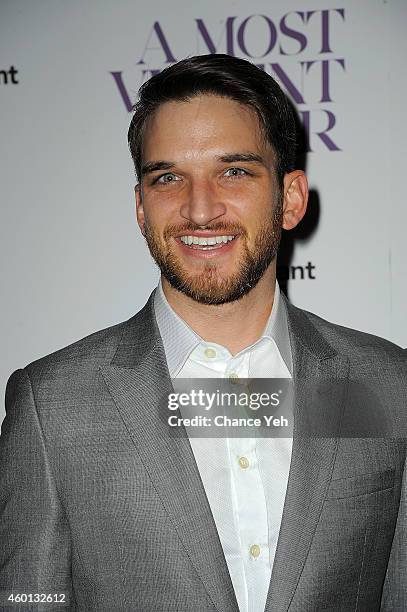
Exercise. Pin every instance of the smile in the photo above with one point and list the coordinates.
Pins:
(206, 243)
(207, 247)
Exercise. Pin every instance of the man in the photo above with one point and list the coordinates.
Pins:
(102, 502)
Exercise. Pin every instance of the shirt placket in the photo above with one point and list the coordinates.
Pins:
(250, 509)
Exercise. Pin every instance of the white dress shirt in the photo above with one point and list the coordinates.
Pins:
(245, 479)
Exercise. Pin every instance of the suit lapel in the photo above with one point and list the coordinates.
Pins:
(138, 377)
(320, 382)
(138, 381)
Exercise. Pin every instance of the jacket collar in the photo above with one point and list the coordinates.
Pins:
(180, 340)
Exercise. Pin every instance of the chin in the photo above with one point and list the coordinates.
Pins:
(217, 292)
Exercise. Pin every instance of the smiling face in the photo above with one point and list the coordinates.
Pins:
(209, 205)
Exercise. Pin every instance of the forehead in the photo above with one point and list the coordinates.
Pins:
(204, 125)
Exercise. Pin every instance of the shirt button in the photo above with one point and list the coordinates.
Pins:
(243, 462)
(233, 378)
(210, 353)
(254, 550)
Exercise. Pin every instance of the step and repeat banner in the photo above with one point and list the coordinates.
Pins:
(72, 257)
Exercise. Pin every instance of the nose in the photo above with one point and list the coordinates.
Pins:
(203, 203)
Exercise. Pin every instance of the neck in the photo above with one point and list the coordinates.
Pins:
(223, 324)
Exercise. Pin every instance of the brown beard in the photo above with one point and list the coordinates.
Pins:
(207, 286)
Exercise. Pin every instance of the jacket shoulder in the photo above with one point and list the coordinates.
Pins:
(91, 351)
(352, 342)
(79, 363)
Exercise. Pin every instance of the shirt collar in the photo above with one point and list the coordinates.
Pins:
(180, 340)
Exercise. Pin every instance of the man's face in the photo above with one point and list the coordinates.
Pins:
(209, 206)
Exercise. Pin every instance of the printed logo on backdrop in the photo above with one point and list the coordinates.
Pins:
(298, 48)
(301, 49)
(9, 76)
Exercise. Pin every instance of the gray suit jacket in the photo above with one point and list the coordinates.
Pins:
(99, 501)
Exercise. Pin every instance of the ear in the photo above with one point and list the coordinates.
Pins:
(139, 207)
(295, 198)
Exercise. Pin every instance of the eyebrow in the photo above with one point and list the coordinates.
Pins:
(156, 165)
(230, 158)
(242, 157)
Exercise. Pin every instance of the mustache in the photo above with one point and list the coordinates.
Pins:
(225, 228)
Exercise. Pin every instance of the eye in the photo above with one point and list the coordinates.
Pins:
(165, 179)
(235, 172)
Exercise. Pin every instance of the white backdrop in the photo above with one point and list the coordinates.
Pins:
(72, 259)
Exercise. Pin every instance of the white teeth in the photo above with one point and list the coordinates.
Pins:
(205, 241)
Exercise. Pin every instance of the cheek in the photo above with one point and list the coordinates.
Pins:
(160, 208)
(254, 213)
(154, 215)
(250, 197)
(157, 224)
